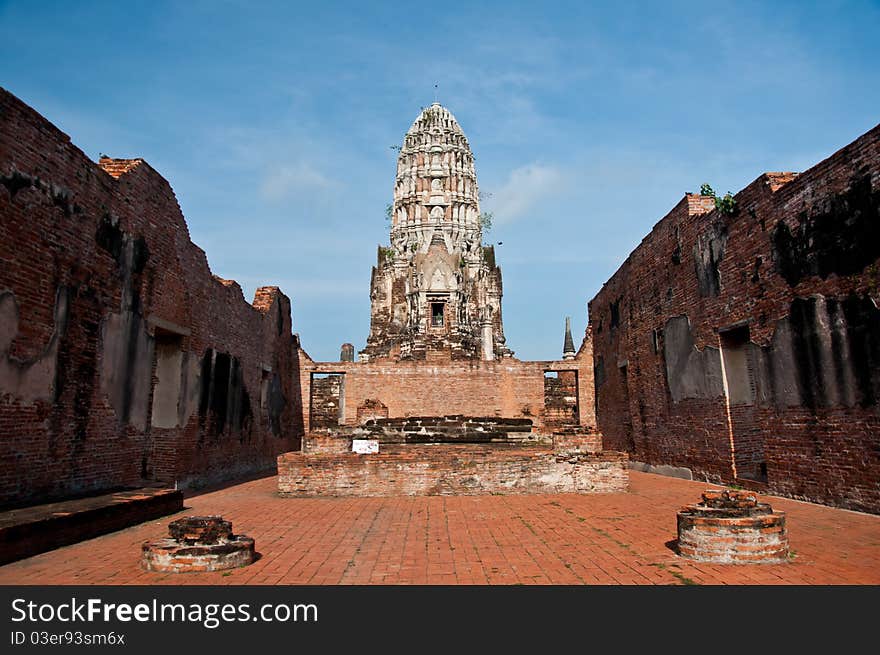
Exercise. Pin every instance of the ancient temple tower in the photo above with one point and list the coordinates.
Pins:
(436, 291)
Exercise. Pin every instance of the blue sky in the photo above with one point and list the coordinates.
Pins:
(273, 123)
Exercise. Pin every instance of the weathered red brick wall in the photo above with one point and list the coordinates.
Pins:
(508, 387)
(370, 409)
(122, 359)
(577, 440)
(747, 346)
(450, 470)
(323, 442)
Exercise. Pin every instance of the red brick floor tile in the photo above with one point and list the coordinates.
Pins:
(548, 539)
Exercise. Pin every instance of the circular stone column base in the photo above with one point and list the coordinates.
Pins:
(197, 544)
(732, 527)
(171, 556)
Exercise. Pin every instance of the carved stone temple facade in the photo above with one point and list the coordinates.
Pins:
(437, 289)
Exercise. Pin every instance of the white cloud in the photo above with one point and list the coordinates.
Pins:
(525, 187)
(294, 178)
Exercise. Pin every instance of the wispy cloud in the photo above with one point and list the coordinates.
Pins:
(294, 178)
(525, 187)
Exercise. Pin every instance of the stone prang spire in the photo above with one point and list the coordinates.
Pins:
(436, 289)
(568, 351)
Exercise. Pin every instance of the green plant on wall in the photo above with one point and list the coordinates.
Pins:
(486, 219)
(388, 211)
(386, 254)
(725, 204)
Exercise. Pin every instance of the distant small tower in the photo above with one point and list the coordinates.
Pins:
(346, 354)
(568, 351)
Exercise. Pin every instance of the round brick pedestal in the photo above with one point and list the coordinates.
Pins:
(732, 527)
(198, 543)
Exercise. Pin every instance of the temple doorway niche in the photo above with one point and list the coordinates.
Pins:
(560, 398)
(738, 362)
(438, 311)
(326, 400)
(168, 404)
(167, 373)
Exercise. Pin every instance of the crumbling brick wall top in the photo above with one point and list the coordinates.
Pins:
(777, 180)
(118, 167)
(264, 297)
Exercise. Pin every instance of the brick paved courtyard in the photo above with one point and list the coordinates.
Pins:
(553, 539)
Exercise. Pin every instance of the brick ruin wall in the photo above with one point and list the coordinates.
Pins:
(450, 470)
(122, 359)
(775, 308)
(507, 388)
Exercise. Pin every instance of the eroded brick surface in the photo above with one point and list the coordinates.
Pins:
(448, 470)
(577, 440)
